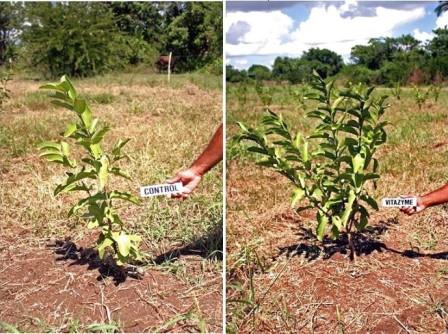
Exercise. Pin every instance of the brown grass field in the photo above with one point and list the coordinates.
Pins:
(279, 280)
(46, 288)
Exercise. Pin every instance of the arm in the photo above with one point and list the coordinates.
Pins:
(211, 156)
(436, 197)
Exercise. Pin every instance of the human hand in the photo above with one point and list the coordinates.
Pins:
(189, 178)
(410, 210)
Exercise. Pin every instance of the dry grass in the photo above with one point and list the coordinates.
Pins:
(169, 126)
(280, 281)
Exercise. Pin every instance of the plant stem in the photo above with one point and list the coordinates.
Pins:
(351, 244)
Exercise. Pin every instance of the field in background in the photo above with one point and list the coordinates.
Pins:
(169, 126)
(278, 280)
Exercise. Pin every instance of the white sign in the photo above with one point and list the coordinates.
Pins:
(399, 202)
(161, 189)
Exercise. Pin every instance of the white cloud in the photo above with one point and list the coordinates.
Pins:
(422, 36)
(328, 26)
(442, 20)
(265, 34)
(239, 63)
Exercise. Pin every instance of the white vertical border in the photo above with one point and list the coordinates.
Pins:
(224, 170)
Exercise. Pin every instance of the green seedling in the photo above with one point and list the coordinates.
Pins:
(91, 174)
(300, 94)
(396, 90)
(4, 91)
(333, 167)
(420, 96)
(436, 90)
(264, 93)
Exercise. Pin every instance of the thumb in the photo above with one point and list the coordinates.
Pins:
(174, 179)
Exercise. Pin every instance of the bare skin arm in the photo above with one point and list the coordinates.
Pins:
(211, 156)
(436, 197)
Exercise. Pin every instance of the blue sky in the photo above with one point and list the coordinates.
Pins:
(259, 31)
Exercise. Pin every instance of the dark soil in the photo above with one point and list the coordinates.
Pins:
(43, 287)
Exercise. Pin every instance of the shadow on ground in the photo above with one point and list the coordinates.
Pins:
(209, 246)
(365, 243)
(68, 251)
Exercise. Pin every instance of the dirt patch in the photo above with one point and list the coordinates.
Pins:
(41, 283)
(291, 283)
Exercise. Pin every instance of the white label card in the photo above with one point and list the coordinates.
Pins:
(161, 189)
(399, 202)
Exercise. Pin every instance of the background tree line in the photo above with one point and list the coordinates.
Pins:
(385, 61)
(88, 38)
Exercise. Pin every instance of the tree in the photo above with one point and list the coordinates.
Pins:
(10, 18)
(79, 39)
(195, 34)
(235, 75)
(324, 61)
(259, 72)
(286, 68)
(374, 54)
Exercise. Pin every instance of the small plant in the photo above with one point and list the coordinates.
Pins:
(396, 90)
(241, 94)
(4, 91)
(420, 96)
(264, 93)
(300, 94)
(436, 90)
(91, 174)
(334, 173)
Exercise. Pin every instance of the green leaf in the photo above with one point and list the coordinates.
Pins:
(321, 226)
(370, 200)
(50, 150)
(98, 135)
(103, 172)
(62, 104)
(65, 82)
(358, 163)
(70, 184)
(124, 196)
(86, 117)
(116, 150)
(53, 157)
(70, 129)
(348, 207)
(49, 144)
(80, 106)
(297, 196)
(123, 243)
(304, 152)
(119, 172)
(93, 224)
(107, 242)
(65, 148)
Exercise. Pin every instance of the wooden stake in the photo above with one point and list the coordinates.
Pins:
(169, 67)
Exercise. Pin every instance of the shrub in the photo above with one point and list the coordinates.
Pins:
(396, 90)
(359, 73)
(91, 173)
(333, 167)
(4, 91)
(265, 93)
(420, 95)
(436, 89)
(80, 39)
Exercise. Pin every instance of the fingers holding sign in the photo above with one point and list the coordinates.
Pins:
(410, 210)
(189, 179)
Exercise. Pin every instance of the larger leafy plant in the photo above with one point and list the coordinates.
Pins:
(331, 168)
(90, 174)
